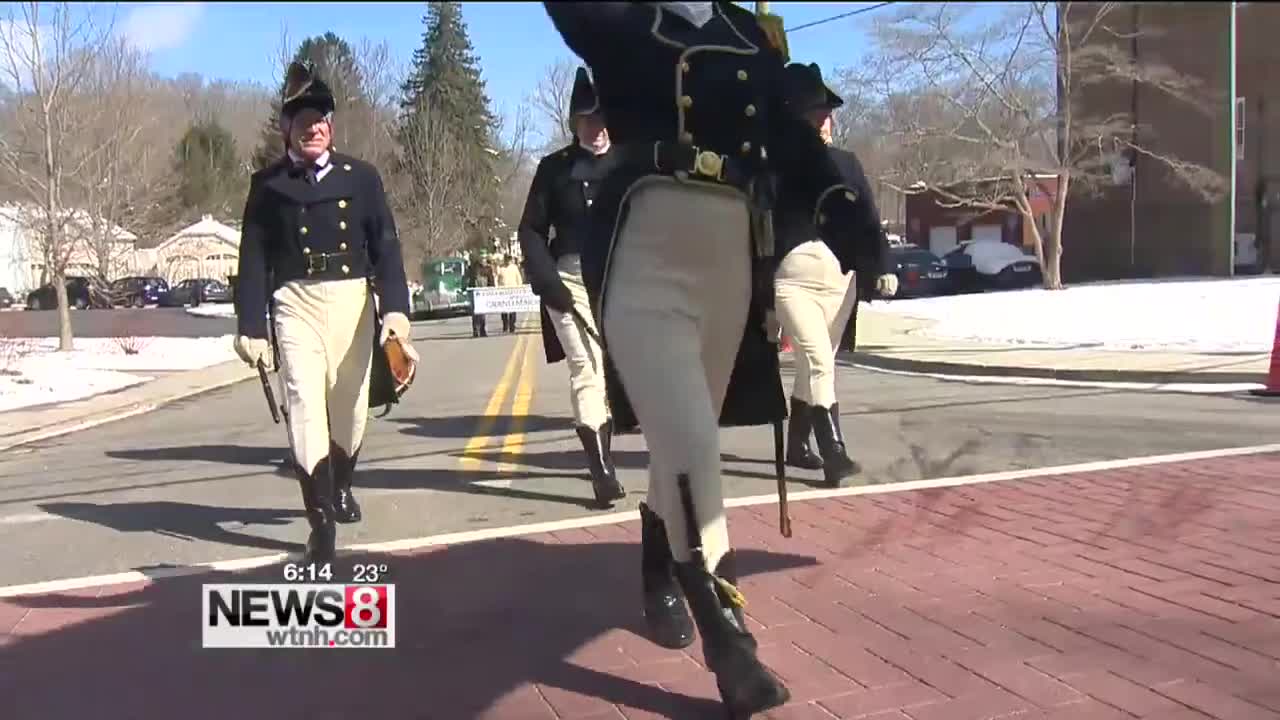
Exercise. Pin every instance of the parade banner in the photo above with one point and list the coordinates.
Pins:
(491, 300)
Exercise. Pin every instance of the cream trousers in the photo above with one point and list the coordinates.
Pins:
(325, 333)
(813, 301)
(675, 309)
(582, 352)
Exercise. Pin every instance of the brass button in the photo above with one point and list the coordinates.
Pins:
(306, 251)
(346, 270)
(684, 67)
(742, 74)
(304, 230)
(342, 224)
(302, 211)
(686, 138)
(850, 195)
(750, 110)
(342, 246)
(342, 203)
(686, 102)
(746, 147)
(589, 201)
(347, 168)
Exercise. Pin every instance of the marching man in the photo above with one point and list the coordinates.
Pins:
(318, 240)
(681, 229)
(564, 187)
(814, 298)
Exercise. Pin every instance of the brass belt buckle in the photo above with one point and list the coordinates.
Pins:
(313, 266)
(709, 164)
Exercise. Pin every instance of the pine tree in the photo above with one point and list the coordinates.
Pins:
(335, 63)
(444, 82)
(208, 169)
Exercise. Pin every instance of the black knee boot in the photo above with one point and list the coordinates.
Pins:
(346, 509)
(317, 499)
(836, 463)
(799, 426)
(604, 479)
(664, 611)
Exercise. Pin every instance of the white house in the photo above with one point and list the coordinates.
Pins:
(21, 256)
(207, 249)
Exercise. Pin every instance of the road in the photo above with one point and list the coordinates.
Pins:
(117, 322)
(196, 481)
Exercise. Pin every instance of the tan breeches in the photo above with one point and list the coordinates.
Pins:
(325, 333)
(675, 309)
(813, 301)
(581, 351)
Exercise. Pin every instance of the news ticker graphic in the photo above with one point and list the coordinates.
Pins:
(297, 615)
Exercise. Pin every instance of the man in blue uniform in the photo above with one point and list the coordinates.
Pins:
(814, 297)
(319, 245)
(564, 187)
(679, 265)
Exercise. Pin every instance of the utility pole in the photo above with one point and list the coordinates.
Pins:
(762, 8)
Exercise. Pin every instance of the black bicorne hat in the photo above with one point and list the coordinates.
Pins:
(583, 100)
(805, 90)
(304, 89)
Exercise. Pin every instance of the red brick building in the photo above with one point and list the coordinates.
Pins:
(931, 224)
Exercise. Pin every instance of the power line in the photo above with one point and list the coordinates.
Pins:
(841, 16)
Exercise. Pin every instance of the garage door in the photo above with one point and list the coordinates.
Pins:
(987, 233)
(942, 239)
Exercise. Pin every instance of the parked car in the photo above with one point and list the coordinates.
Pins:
(444, 288)
(138, 291)
(991, 265)
(82, 292)
(195, 291)
(6, 300)
(920, 272)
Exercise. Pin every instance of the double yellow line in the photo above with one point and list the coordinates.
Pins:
(521, 373)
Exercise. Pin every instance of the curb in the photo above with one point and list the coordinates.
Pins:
(1153, 377)
(119, 412)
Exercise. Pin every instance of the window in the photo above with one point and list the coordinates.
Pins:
(1240, 108)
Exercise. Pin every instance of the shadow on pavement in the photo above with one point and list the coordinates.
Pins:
(567, 461)
(478, 625)
(184, 521)
(231, 454)
(465, 426)
(458, 480)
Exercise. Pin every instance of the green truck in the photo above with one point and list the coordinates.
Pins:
(444, 288)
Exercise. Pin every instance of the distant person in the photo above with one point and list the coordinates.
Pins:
(509, 276)
(479, 275)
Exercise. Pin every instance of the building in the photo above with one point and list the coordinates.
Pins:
(931, 223)
(1145, 223)
(94, 250)
(206, 249)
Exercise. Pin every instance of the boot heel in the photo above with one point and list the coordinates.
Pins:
(666, 617)
(604, 479)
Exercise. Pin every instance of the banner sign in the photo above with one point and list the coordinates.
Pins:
(517, 299)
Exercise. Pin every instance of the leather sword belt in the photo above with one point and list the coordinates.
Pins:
(319, 262)
(668, 158)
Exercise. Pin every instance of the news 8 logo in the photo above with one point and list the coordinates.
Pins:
(298, 616)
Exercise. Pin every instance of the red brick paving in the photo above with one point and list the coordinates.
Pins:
(1141, 593)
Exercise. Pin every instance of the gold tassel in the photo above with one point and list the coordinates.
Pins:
(734, 594)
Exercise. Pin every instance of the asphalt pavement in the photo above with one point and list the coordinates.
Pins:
(484, 439)
(116, 322)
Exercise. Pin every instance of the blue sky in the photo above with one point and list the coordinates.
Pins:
(514, 40)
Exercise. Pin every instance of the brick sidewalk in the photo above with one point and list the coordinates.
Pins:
(1138, 593)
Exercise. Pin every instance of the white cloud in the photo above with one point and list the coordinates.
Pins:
(161, 26)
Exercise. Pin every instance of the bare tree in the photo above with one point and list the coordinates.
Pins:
(375, 120)
(428, 192)
(48, 55)
(550, 101)
(515, 164)
(977, 108)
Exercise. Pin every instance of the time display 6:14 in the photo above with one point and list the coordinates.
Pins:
(311, 572)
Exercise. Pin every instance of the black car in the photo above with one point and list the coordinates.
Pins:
(195, 291)
(920, 272)
(138, 291)
(978, 266)
(82, 292)
(6, 300)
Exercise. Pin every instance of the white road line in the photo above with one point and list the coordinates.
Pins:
(25, 518)
(54, 586)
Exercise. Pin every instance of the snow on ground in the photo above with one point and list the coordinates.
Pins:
(1185, 315)
(33, 373)
(220, 310)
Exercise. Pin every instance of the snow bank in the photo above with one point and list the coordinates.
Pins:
(33, 373)
(1198, 315)
(220, 310)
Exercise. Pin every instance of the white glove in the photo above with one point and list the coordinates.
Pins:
(887, 285)
(251, 349)
(398, 325)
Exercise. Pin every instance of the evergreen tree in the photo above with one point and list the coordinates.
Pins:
(335, 63)
(444, 83)
(208, 169)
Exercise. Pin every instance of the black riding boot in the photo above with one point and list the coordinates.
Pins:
(604, 479)
(799, 426)
(836, 463)
(746, 685)
(346, 509)
(317, 499)
(664, 611)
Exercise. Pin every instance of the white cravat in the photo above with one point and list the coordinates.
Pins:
(697, 13)
(323, 166)
(591, 149)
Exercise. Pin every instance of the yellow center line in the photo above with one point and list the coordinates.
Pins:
(481, 439)
(513, 445)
